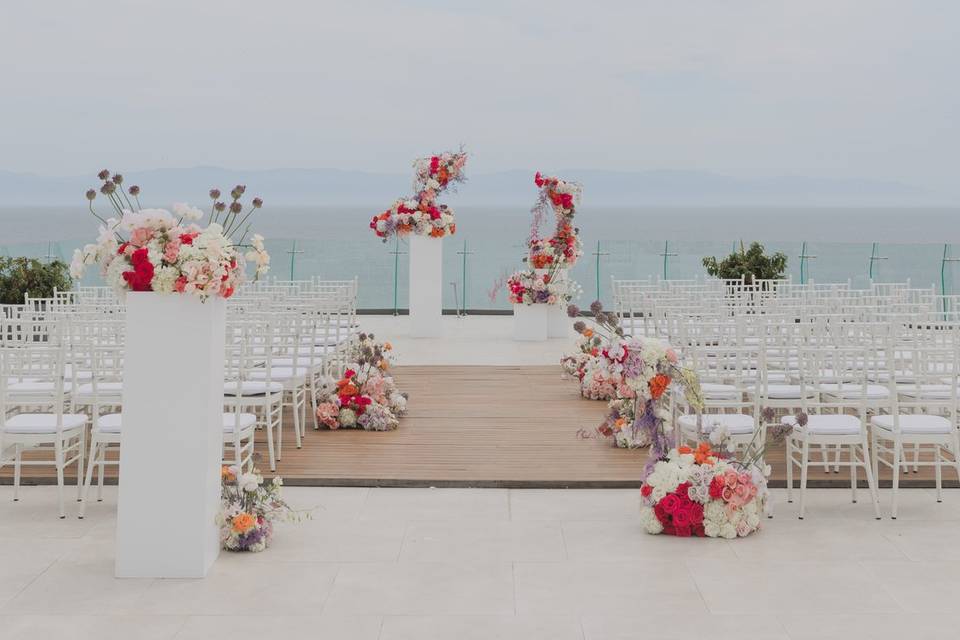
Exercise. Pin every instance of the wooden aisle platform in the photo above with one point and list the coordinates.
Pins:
(482, 426)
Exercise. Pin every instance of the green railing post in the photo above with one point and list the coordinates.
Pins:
(396, 273)
(873, 258)
(598, 253)
(293, 255)
(666, 256)
(803, 262)
(463, 276)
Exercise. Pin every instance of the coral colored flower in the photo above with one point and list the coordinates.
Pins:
(243, 522)
(658, 384)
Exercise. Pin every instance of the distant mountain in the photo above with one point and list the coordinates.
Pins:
(602, 188)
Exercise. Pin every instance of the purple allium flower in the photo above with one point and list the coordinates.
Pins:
(768, 414)
(257, 203)
(104, 175)
(117, 178)
(219, 206)
(802, 419)
(214, 194)
(236, 207)
(573, 310)
(108, 188)
(91, 194)
(134, 190)
(596, 307)
(579, 326)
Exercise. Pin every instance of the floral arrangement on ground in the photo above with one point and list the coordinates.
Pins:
(537, 287)
(421, 213)
(584, 365)
(156, 250)
(365, 396)
(249, 509)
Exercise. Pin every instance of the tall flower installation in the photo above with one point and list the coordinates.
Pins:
(365, 396)
(249, 508)
(142, 249)
(421, 213)
(545, 280)
(641, 370)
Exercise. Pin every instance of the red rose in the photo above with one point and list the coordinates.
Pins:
(682, 531)
(670, 503)
(646, 490)
(349, 373)
(187, 238)
(538, 179)
(681, 518)
(716, 488)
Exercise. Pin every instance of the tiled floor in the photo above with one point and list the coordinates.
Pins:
(483, 564)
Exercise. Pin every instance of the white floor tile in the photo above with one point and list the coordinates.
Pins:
(598, 588)
(614, 540)
(409, 505)
(683, 627)
(287, 627)
(884, 626)
(422, 589)
(481, 628)
(504, 541)
(89, 627)
(570, 505)
(919, 587)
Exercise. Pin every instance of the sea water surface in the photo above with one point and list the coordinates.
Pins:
(823, 244)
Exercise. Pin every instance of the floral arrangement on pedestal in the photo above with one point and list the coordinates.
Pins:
(249, 508)
(155, 250)
(421, 214)
(531, 287)
(366, 396)
(644, 369)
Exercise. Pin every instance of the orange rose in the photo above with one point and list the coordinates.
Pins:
(387, 346)
(226, 474)
(243, 522)
(588, 332)
(658, 384)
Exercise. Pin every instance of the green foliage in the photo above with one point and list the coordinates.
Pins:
(751, 263)
(29, 276)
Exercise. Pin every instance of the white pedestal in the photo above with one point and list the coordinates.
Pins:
(559, 324)
(172, 437)
(530, 322)
(426, 286)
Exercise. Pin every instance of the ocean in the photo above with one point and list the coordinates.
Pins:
(825, 244)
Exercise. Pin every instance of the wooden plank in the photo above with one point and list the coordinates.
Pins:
(493, 426)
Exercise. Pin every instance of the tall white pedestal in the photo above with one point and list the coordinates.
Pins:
(530, 322)
(172, 437)
(426, 286)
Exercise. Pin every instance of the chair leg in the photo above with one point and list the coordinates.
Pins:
(80, 469)
(804, 464)
(853, 473)
(826, 458)
(916, 457)
(874, 456)
(17, 450)
(58, 460)
(296, 416)
(789, 447)
(313, 402)
(836, 460)
(938, 456)
(269, 428)
(871, 478)
(101, 471)
(279, 429)
(898, 462)
(91, 463)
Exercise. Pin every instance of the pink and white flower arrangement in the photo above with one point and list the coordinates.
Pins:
(586, 366)
(366, 396)
(155, 250)
(421, 213)
(704, 493)
(540, 287)
(644, 370)
(249, 509)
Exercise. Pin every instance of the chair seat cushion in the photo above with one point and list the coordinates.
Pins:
(110, 423)
(736, 423)
(247, 420)
(40, 423)
(37, 386)
(914, 423)
(784, 391)
(718, 391)
(931, 391)
(851, 390)
(827, 424)
(102, 387)
(279, 373)
(251, 387)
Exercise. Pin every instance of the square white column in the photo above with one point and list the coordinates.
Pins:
(426, 286)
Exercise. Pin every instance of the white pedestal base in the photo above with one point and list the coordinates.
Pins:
(530, 322)
(559, 325)
(426, 286)
(172, 437)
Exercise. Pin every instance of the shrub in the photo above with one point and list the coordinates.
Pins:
(29, 276)
(751, 263)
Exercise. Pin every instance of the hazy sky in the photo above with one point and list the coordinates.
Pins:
(842, 88)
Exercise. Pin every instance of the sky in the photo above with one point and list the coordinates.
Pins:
(749, 88)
